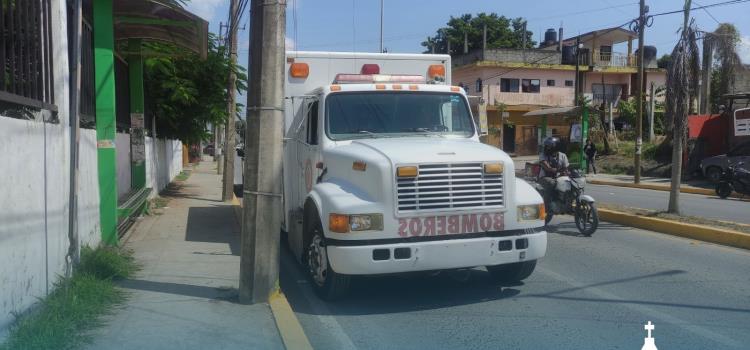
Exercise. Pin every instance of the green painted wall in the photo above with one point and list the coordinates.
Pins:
(137, 134)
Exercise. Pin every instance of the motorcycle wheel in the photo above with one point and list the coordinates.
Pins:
(587, 218)
(723, 190)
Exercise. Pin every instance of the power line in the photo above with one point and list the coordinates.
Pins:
(583, 12)
(709, 14)
(701, 7)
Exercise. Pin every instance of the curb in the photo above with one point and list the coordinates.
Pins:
(292, 334)
(645, 186)
(291, 331)
(699, 232)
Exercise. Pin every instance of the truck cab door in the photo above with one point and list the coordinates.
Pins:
(308, 151)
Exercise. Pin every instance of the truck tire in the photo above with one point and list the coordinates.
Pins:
(514, 272)
(328, 284)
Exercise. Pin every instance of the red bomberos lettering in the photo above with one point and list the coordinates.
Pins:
(450, 224)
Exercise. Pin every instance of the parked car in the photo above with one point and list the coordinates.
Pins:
(209, 149)
(713, 167)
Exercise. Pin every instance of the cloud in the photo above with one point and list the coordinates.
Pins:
(744, 49)
(206, 9)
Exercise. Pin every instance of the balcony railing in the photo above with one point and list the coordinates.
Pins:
(548, 97)
(613, 59)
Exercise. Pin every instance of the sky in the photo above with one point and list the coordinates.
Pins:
(354, 25)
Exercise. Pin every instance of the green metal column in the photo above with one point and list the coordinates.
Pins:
(584, 135)
(104, 82)
(137, 131)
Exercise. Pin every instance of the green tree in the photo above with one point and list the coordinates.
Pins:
(502, 32)
(723, 41)
(187, 94)
(664, 61)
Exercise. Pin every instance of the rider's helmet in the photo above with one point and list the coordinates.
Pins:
(551, 145)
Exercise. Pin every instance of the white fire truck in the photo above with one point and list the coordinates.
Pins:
(384, 173)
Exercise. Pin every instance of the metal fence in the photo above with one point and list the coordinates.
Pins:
(26, 53)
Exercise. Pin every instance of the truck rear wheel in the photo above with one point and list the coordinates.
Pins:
(514, 272)
(328, 284)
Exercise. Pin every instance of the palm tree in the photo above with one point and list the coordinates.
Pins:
(682, 84)
(723, 42)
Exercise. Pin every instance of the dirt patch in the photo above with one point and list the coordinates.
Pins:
(681, 218)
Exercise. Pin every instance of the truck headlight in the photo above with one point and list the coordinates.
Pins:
(343, 223)
(531, 212)
(366, 222)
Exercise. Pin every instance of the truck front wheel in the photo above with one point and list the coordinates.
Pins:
(514, 272)
(328, 284)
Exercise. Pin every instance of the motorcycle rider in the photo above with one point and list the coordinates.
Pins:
(553, 163)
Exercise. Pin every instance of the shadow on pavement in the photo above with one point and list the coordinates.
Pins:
(391, 294)
(568, 228)
(228, 294)
(215, 224)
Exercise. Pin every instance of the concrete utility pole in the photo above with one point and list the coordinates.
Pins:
(639, 94)
(577, 86)
(466, 42)
(261, 223)
(230, 131)
(651, 104)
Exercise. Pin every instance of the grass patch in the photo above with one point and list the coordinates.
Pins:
(63, 319)
(183, 176)
(681, 218)
(159, 202)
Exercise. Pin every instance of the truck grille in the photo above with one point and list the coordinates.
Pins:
(448, 186)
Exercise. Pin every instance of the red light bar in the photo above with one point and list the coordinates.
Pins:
(377, 78)
(370, 68)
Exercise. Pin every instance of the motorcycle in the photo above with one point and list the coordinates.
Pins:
(734, 178)
(570, 199)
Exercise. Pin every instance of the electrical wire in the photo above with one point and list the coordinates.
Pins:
(701, 7)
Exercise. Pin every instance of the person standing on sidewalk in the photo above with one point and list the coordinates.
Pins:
(590, 150)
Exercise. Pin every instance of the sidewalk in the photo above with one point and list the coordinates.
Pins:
(185, 296)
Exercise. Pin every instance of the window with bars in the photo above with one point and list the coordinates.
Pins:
(87, 107)
(26, 79)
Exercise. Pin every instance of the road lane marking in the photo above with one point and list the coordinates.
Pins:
(321, 312)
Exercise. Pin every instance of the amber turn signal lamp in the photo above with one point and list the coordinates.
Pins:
(407, 171)
(493, 168)
(338, 223)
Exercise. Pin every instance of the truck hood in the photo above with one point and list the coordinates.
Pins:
(432, 150)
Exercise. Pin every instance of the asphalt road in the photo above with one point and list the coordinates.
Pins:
(730, 209)
(587, 293)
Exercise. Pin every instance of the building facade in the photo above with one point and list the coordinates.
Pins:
(513, 82)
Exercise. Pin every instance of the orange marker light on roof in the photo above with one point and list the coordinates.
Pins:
(436, 72)
(413, 87)
(380, 86)
(396, 86)
(299, 70)
(455, 88)
(335, 87)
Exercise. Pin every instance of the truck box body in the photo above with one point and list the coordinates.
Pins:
(389, 170)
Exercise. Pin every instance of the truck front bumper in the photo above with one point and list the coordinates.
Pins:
(436, 255)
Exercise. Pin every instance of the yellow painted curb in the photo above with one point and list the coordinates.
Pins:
(700, 232)
(645, 186)
(286, 321)
(290, 329)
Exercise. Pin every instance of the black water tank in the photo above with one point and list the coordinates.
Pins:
(649, 56)
(550, 36)
(569, 54)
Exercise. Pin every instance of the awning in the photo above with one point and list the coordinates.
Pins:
(163, 21)
(553, 112)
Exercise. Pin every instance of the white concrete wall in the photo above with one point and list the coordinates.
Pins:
(163, 163)
(122, 144)
(34, 193)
